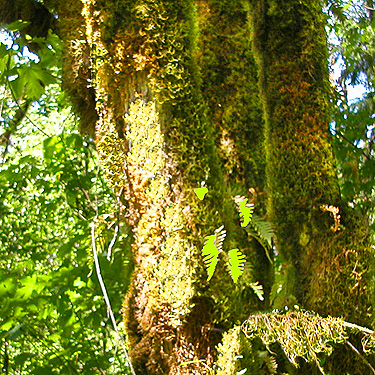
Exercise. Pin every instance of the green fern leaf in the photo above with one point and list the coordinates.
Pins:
(263, 228)
(262, 231)
(212, 246)
(246, 210)
(220, 234)
(236, 263)
(258, 290)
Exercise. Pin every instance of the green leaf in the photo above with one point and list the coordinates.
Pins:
(52, 146)
(17, 25)
(29, 284)
(201, 192)
(20, 359)
(7, 325)
(6, 286)
(236, 263)
(211, 250)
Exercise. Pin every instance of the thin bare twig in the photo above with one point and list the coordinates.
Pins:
(105, 295)
(356, 351)
(114, 239)
(359, 328)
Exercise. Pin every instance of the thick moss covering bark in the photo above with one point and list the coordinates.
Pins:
(327, 268)
(236, 354)
(70, 27)
(156, 145)
(290, 46)
(230, 89)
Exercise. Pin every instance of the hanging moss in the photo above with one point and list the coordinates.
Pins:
(299, 334)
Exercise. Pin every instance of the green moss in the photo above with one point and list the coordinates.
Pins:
(290, 46)
(236, 354)
(230, 91)
(76, 62)
(156, 145)
(229, 86)
(299, 333)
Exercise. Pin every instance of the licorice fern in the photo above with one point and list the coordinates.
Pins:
(262, 231)
(212, 246)
(236, 263)
(246, 210)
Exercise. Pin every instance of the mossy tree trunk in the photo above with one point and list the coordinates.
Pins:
(230, 89)
(316, 245)
(156, 142)
(325, 249)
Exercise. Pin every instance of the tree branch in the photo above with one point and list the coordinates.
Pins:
(105, 295)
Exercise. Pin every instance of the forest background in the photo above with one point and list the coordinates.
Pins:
(53, 192)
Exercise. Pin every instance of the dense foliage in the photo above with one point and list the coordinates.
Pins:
(53, 317)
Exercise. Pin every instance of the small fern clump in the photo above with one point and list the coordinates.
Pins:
(213, 244)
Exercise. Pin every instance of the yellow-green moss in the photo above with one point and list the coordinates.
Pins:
(156, 145)
(76, 62)
(236, 354)
(299, 333)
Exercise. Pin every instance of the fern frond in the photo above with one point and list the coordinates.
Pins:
(262, 231)
(212, 246)
(220, 234)
(236, 263)
(246, 210)
(258, 290)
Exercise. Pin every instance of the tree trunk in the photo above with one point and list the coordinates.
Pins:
(318, 246)
(156, 144)
(325, 249)
(230, 89)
